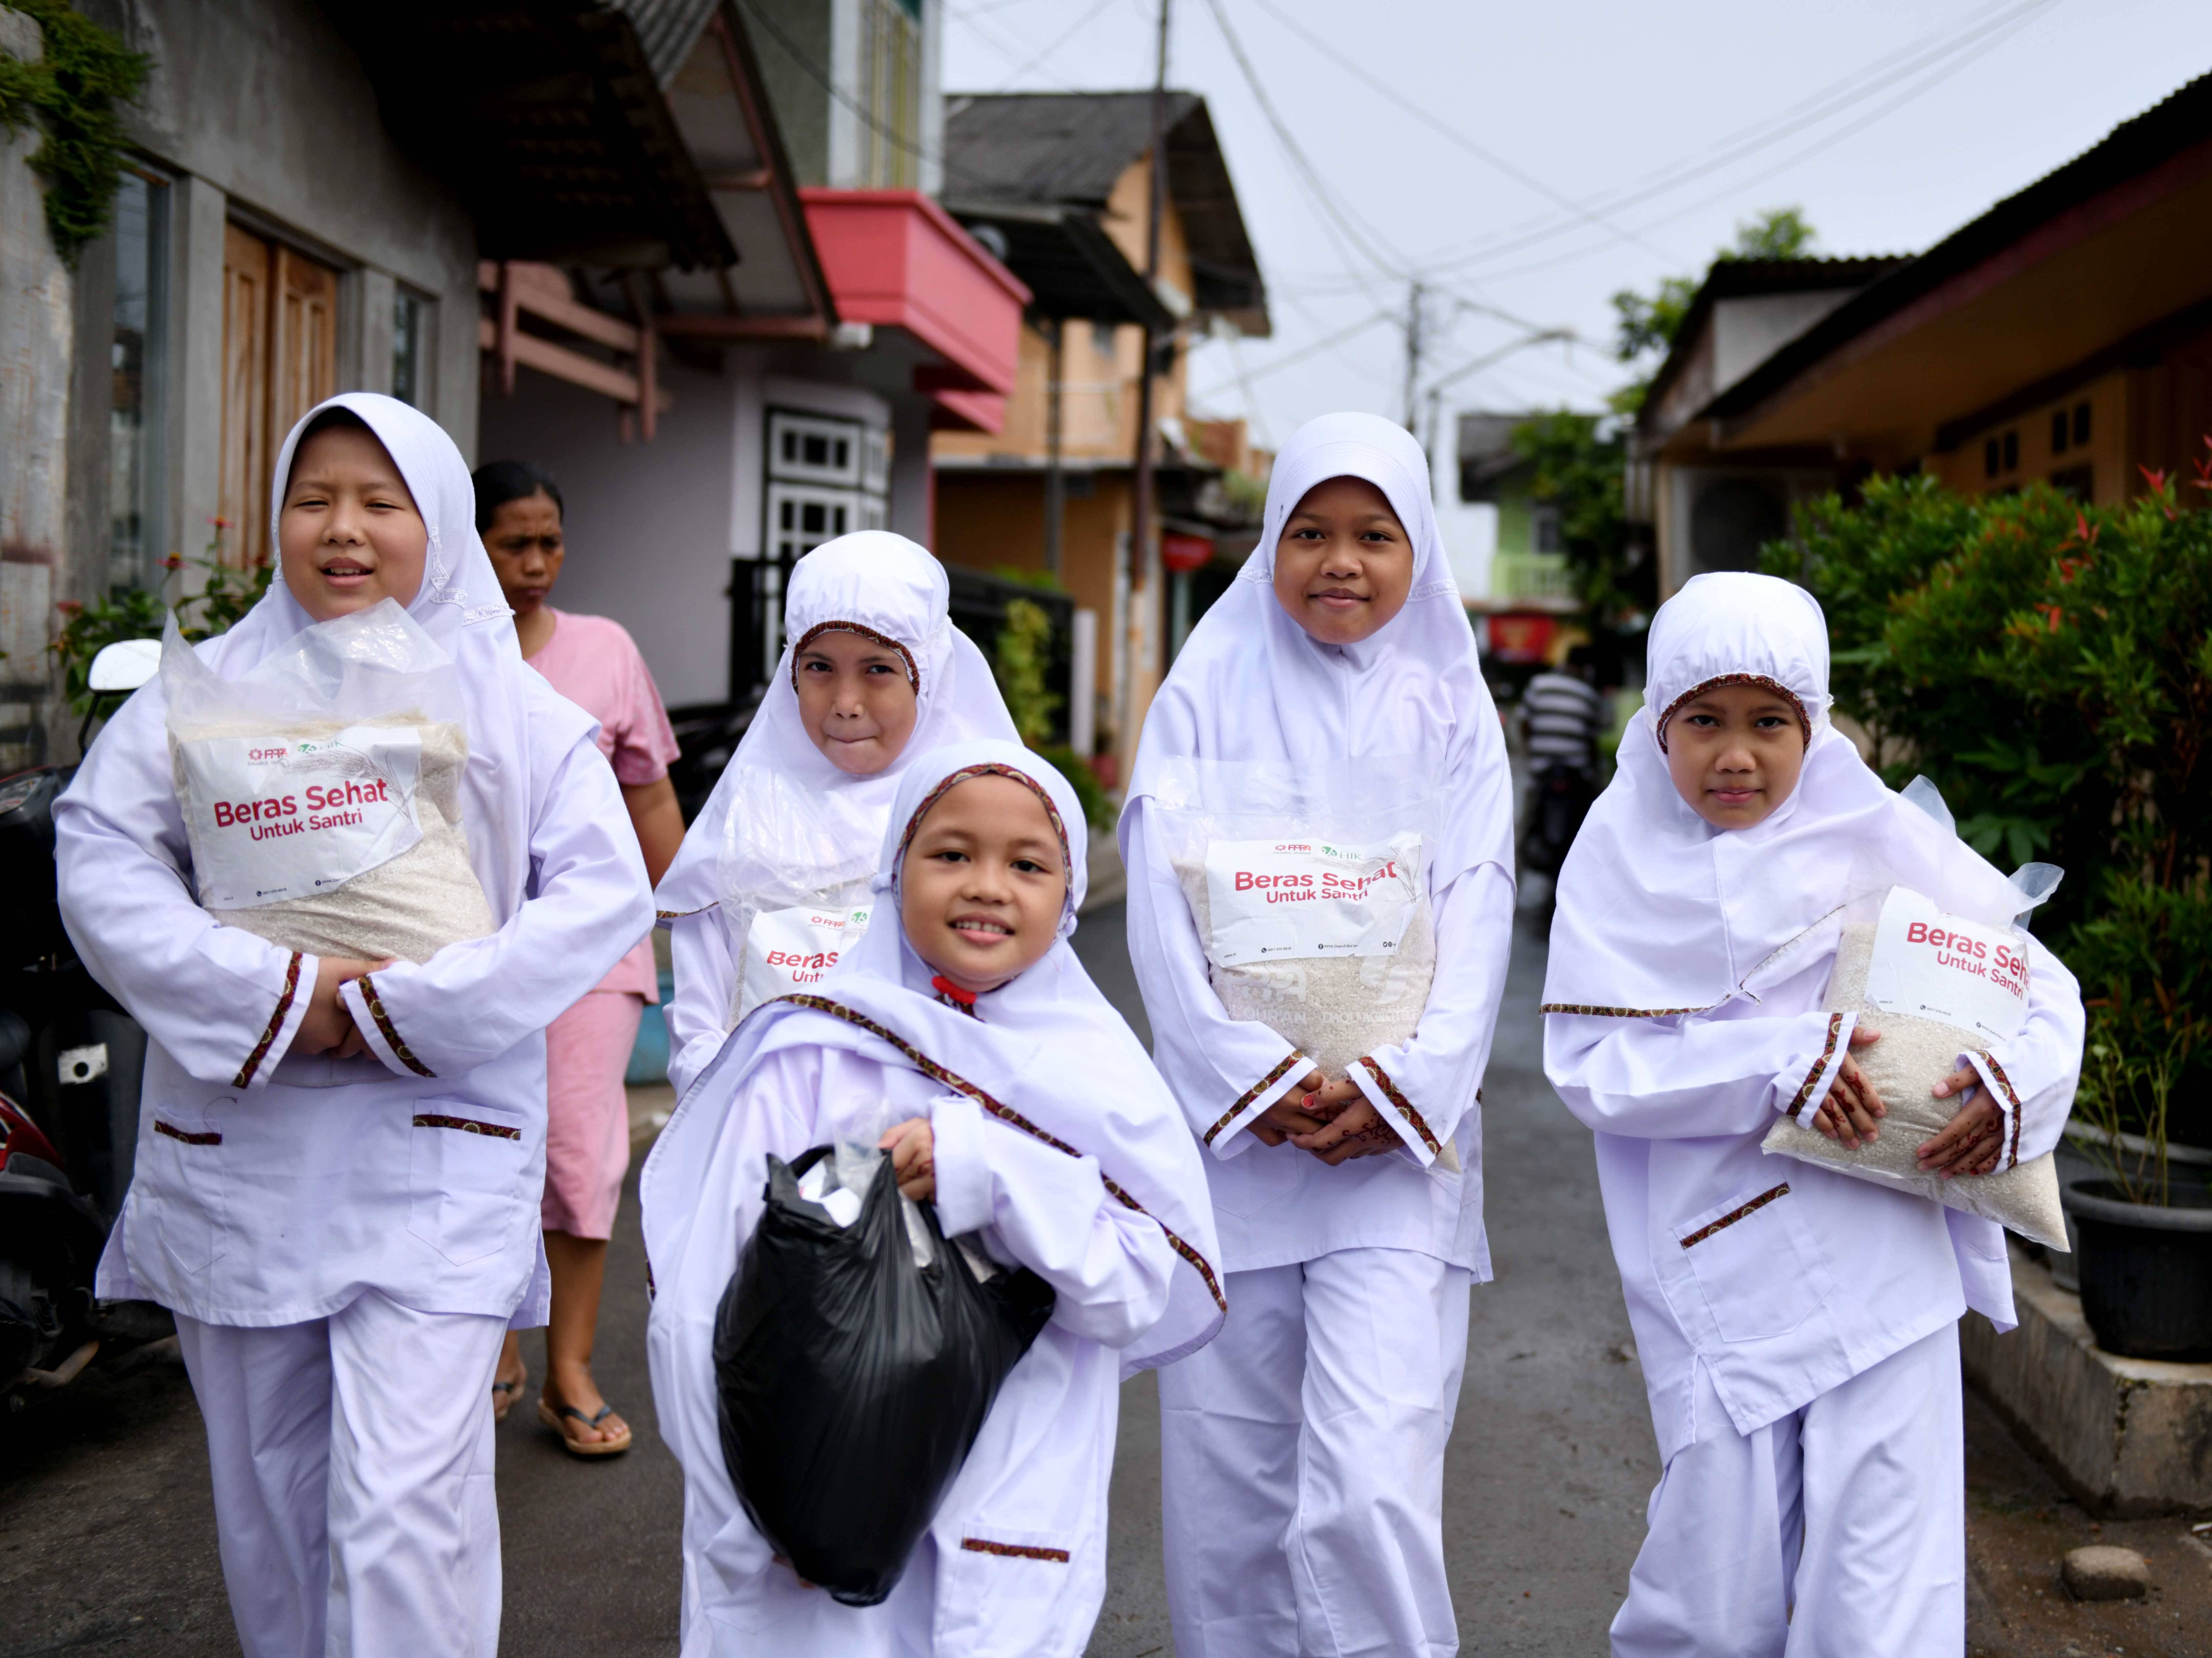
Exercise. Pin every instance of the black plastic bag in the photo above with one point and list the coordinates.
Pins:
(851, 1382)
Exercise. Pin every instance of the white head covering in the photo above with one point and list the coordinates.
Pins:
(884, 587)
(1045, 1052)
(1251, 685)
(1659, 912)
(459, 605)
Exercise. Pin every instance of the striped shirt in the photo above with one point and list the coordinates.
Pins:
(1561, 716)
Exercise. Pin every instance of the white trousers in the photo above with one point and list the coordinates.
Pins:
(1838, 1532)
(1302, 1460)
(354, 1502)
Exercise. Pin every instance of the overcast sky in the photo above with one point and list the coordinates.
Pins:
(1510, 153)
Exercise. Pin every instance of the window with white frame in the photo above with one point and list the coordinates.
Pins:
(826, 478)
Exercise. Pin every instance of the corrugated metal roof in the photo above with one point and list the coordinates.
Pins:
(667, 29)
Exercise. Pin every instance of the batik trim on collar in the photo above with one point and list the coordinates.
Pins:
(1253, 1093)
(1413, 1118)
(929, 1068)
(1737, 1214)
(245, 1077)
(383, 1026)
(1820, 1065)
(990, 769)
(913, 673)
(1795, 702)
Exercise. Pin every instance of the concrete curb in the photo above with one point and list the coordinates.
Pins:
(2126, 1436)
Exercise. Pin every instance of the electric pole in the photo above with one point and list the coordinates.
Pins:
(1143, 542)
(1413, 359)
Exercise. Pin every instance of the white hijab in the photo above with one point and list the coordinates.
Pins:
(883, 587)
(1659, 912)
(459, 605)
(1251, 685)
(1045, 1052)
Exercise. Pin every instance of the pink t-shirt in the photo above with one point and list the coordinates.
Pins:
(593, 662)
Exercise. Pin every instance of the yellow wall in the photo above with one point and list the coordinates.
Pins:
(2015, 452)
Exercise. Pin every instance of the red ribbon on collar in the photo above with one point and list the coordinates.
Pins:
(964, 1000)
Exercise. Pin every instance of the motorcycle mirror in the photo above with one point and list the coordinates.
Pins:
(125, 666)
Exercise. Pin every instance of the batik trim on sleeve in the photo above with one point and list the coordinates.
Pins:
(1006, 1113)
(1615, 1013)
(1245, 1099)
(1413, 1118)
(384, 1028)
(245, 1077)
(1819, 1066)
(2012, 1101)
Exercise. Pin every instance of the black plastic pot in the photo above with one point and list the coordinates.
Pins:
(2146, 1269)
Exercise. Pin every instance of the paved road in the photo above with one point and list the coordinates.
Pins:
(106, 1535)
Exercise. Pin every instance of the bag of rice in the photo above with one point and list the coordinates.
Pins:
(322, 791)
(1937, 987)
(1312, 900)
(794, 886)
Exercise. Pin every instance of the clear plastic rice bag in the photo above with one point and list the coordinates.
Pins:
(321, 790)
(793, 875)
(1937, 987)
(1310, 889)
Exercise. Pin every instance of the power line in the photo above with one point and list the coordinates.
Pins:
(1059, 40)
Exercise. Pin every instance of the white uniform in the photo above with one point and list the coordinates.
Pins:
(784, 825)
(344, 1241)
(1795, 1327)
(1036, 1102)
(1302, 1454)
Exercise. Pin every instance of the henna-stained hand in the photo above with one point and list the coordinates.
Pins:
(1298, 1112)
(1853, 1107)
(1357, 1131)
(1973, 1142)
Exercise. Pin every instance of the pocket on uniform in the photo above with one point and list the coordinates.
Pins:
(1014, 1584)
(182, 1168)
(1760, 1275)
(467, 1164)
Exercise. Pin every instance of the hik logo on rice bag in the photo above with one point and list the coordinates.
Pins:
(1936, 965)
(1282, 900)
(275, 817)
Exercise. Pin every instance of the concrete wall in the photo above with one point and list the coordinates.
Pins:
(650, 527)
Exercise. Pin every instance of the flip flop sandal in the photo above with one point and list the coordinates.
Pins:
(502, 1397)
(553, 1420)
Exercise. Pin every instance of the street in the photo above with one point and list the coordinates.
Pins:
(106, 1532)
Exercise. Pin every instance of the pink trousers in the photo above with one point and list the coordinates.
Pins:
(587, 1114)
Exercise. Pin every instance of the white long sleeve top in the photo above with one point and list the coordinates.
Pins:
(1781, 1278)
(271, 1188)
(1015, 1562)
(706, 994)
(1275, 1205)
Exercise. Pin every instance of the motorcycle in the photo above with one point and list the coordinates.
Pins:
(70, 1062)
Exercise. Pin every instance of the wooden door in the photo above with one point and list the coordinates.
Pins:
(280, 359)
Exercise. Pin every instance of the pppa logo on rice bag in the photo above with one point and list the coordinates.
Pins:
(1935, 966)
(1283, 900)
(276, 818)
(788, 950)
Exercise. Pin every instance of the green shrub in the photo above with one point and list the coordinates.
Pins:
(2050, 667)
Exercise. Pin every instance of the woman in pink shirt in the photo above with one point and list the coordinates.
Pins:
(590, 660)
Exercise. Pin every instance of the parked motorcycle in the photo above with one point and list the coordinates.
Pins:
(70, 1060)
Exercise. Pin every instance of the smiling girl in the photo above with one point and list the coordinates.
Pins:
(1302, 1454)
(339, 1161)
(1019, 1103)
(769, 889)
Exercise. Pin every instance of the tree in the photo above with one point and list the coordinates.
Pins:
(1649, 322)
(1578, 460)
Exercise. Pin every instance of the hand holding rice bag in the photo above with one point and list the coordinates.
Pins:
(321, 792)
(1937, 987)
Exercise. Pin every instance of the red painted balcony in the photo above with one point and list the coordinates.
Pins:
(894, 258)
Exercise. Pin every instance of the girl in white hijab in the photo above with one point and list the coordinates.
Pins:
(1054, 1144)
(796, 820)
(1302, 1454)
(338, 1162)
(1797, 1327)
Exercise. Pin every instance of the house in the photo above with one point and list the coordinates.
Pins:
(2063, 336)
(574, 233)
(1060, 183)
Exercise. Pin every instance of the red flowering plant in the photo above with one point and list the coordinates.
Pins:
(225, 593)
(2049, 665)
